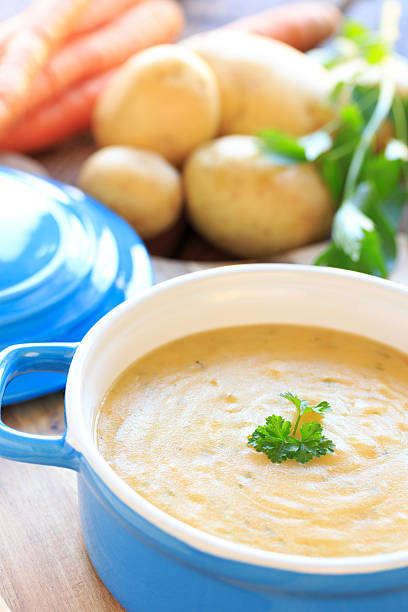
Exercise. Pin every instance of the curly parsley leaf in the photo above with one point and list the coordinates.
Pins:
(312, 443)
(303, 406)
(274, 439)
(296, 401)
(277, 437)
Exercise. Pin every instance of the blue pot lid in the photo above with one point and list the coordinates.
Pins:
(65, 261)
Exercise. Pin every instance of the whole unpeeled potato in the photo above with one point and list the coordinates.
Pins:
(250, 205)
(264, 83)
(139, 185)
(164, 99)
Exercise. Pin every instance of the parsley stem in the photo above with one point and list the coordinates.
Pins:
(341, 151)
(383, 106)
(296, 424)
(390, 16)
(401, 128)
(400, 120)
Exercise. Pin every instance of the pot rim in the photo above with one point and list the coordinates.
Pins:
(81, 439)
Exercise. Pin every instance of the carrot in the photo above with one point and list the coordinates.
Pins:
(101, 12)
(98, 13)
(150, 23)
(302, 25)
(28, 51)
(69, 112)
(56, 120)
(9, 28)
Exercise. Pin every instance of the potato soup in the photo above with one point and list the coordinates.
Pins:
(175, 427)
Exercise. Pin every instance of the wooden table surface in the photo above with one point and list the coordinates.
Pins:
(43, 563)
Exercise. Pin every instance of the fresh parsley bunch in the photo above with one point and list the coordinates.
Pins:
(369, 186)
(278, 440)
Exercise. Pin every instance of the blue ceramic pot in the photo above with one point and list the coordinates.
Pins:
(149, 560)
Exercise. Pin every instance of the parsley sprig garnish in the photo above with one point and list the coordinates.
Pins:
(277, 437)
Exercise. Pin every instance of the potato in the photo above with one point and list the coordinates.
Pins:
(246, 204)
(264, 83)
(139, 185)
(164, 99)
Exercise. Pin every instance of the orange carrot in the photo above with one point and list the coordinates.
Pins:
(70, 111)
(56, 120)
(302, 25)
(28, 51)
(9, 28)
(101, 12)
(150, 23)
(98, 13)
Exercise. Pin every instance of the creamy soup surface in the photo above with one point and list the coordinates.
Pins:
(175, 425)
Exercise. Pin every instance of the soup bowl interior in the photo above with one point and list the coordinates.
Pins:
(222, 297)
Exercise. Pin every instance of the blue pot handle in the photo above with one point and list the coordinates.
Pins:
(32, 448)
